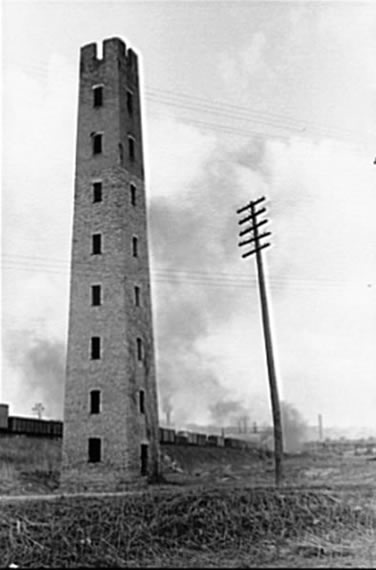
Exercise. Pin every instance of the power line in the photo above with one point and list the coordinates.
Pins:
(273, 120)
(244, 111)
(42, 261)
(197, 280)
(285, 123)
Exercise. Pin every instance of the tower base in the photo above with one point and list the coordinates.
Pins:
(87, 481)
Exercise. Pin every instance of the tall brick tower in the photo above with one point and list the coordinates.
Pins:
(111, 412)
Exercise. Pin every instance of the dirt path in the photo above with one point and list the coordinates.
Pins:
(57, 496)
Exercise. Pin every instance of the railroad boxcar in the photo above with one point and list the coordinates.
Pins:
(212, 440)
(182, 438)
(215, 440)
(195, 438)
(4, 413)
(19, 425)
(192, 437)
(167, 435)
(56, 428)
(233, 443)
(31, 426)
(201, 438)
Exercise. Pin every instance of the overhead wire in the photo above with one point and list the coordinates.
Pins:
(228, 110)
(222, 279)
(200, 104)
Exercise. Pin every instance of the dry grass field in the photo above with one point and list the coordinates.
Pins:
(216, 508)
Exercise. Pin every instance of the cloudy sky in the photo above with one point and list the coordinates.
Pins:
(240, 99)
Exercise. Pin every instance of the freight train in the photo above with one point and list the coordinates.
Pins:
(183, 437)
(54, 429)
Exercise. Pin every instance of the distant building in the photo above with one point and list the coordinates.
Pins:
(4, 414)
(110, 411)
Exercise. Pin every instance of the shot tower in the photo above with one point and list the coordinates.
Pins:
(111, 413)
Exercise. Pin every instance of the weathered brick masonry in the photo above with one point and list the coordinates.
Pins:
(126, 365)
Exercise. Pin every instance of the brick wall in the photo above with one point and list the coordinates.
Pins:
(117, 321)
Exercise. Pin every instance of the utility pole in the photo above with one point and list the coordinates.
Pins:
(255, 238)
(321, 433)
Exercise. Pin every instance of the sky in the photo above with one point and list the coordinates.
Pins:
(240, 100)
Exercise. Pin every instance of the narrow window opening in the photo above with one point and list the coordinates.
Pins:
(95, 402)
(142, 401)
(97, 244)
(121, 154)
(137, 296)
(139, 349)
(97, 143)
(135, 247)
(133, 194)
(94, 450)
(130, 102)
(97, 192)
(144, 459)
(131, 148)
(98, 96)
(96, 295)
(95, 347)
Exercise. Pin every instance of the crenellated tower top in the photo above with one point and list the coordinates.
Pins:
(114, 50)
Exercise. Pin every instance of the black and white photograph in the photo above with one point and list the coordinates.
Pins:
(188, 291)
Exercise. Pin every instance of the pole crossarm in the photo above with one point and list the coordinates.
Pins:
(250, 204)
(251, 216)
(258, 201)
(251, 228)
(244, 208)
(246, 241)
(248, 253)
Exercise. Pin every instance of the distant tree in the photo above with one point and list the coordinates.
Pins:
(38, 409)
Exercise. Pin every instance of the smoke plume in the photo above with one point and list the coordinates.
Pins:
(228, 412)
(39, 365)
(294, 427)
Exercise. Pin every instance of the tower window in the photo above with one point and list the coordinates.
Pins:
(134, 246)
(97, 143)
(97, 192)
(137, 296)
(130, 102)
(142, 401)
(96, 295)
(133, 194)
(94, 450)
(144, 459)
(95, 401)
(121, 154)
(97, 244)
(139, 349)
(131, 148)
(98, 96)
(95, 347)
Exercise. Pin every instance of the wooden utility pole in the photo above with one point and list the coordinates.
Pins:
(255, 239)
(321, 433)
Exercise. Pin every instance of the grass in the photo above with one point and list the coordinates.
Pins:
(217, 509)
(28, 464)
(192, 528)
